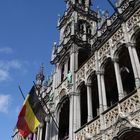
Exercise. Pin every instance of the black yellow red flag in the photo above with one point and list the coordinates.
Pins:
(31, 114)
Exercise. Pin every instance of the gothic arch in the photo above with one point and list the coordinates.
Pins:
(90, 75)
(79, 84)
(135, 39)
(135, 34)
(103, 64)
(92, 80)
(110, 81)
(63, 111)
(119, 46)
(82, 89)
(126, 70)
(128, 133)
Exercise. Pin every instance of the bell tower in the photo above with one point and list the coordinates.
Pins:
(77, 28)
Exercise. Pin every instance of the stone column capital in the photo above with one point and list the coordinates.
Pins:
(35, 130)
(130, 44)
(41, 125)
(88, 84)
(74, 94)
(30, 136)
(47, 119)
(100, 72)
(115, 59)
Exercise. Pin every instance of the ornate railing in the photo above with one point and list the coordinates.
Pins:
(85, 70)
(92, 128)
(123, 108)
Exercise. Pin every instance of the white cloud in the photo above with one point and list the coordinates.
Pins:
(17, 110)
(6, 67)
(11, 64)
(4, 75)
(5, 101)
(6, 50)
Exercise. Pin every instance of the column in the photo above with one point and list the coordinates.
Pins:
(136, 59)
(30, 137)
(102, 97)
(118, 78)
(89, 101)
(137, 64)
(84, 36)
(137, 81)
(99, 91)
(71, 116)
(77, 111)
(38, 132)
(103, 93)
(47, 119)
(41, 131)
(71, 94)
(34, 135)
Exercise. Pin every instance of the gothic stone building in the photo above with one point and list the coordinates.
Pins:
(96, 81)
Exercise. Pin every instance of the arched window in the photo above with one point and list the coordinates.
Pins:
(95, 97)
(44, 131)
(137, 40)
(62, 72)
(83, 103)
(110, 83)
(64, 120)
(126, 71)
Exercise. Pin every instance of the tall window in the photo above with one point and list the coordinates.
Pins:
(110, 83)
(83, 103)
(62, 72)
(64, 120)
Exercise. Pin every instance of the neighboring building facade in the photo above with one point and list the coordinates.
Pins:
(94, 91)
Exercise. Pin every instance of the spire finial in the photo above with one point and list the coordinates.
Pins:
(40, 76)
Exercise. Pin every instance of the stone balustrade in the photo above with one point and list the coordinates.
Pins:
(121, 109)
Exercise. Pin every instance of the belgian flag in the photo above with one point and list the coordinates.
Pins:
(31, 114)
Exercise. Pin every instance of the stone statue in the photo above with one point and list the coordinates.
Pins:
(69, 77)
(51, 95)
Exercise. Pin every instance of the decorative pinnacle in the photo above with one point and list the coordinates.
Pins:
(40, 76)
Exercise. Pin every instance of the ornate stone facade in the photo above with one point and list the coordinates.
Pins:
(102, 101)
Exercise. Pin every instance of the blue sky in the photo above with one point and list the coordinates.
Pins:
(27, 32)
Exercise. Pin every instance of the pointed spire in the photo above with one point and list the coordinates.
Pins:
(40, 76)
(58, 21)
(54, 51)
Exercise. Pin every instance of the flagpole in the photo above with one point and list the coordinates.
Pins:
(47, 108)
(21, 92)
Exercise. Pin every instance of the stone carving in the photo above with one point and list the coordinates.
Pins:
(104, 50)
(80, 75)
(91, 130)
(117, 36)
(111, 117)
(90, 66)
(133, 20)
(129, 105)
